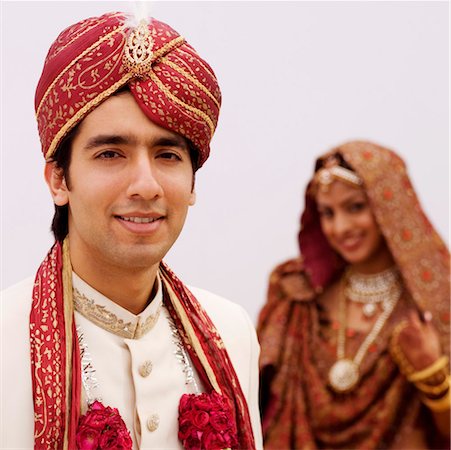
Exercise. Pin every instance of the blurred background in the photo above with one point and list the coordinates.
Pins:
(297, 78)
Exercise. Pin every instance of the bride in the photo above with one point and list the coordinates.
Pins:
(355, 331)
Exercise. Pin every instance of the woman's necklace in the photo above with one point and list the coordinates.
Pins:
(344, 374)
(371, 290)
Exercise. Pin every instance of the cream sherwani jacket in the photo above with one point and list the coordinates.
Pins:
(134, 359)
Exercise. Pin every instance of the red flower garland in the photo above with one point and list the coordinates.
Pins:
(102, 428)
(206, 422)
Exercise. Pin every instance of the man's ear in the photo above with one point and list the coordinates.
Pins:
(192, 199)
(56, 182)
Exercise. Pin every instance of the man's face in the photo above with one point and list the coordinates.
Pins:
(130, 187)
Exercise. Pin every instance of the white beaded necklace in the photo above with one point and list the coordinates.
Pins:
(374, 289)
(344, 374)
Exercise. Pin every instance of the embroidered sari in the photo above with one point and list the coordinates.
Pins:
(298, 340)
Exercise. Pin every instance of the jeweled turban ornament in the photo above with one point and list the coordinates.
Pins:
(91, 60)
(138, 50)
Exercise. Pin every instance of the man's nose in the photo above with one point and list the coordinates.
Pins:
(144, 182)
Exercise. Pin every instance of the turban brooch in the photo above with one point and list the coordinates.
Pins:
(91, 60)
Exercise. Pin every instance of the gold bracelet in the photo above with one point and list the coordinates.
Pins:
(434, 389)
(441, 404)
(434, 368)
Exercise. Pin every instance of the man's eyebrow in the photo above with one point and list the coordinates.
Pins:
(171, 141)
(108, 139)
(113, 139)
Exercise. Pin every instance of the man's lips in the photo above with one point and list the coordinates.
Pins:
(140, 216)
(137, 219)
(141, 223)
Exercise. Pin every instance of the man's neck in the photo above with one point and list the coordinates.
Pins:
(132, 290)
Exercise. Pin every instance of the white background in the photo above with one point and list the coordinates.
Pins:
(296, 77)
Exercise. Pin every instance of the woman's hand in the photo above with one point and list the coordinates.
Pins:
(416, 347)
(419, 341)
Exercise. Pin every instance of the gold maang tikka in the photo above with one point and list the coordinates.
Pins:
(332, 171)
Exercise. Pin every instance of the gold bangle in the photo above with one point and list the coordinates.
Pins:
(435, 367)
(434, 389)
(441, 404)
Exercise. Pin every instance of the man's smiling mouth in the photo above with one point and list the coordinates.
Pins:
(139, 219)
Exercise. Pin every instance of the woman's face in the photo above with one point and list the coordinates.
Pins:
(349, 225)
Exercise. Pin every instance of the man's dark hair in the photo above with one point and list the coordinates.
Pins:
(62, 158)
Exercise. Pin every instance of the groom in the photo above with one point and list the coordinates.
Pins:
(110, 348)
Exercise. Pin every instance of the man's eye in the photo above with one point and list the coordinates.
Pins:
(108, 154)
(170, 156)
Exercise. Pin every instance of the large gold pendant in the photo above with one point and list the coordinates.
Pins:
(344, 375)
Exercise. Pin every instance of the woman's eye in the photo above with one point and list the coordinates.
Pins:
(325, 213)
(357, 207)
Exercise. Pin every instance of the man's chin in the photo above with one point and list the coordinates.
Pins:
(139, 257)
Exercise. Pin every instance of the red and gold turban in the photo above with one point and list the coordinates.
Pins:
(92, 59)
